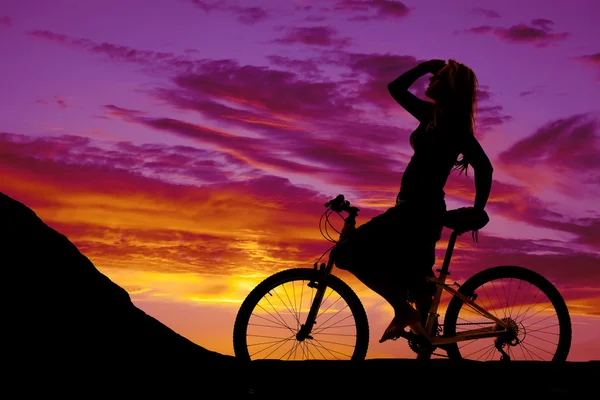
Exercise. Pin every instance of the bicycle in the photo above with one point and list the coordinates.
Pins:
(270, 307)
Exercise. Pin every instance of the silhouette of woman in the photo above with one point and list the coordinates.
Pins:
(394, 252)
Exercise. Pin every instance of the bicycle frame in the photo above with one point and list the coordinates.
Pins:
(498, 329)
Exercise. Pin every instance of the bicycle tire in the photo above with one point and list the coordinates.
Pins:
(240, 343)
(505, 272)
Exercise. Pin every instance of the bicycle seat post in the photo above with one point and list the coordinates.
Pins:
(451, 242)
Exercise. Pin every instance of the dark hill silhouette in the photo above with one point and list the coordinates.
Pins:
(68, 329)
(64, 319)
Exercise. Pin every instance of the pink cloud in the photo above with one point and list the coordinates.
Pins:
(490, 116)
(245, 15)
(533, 91)
(538, 32)
(204, 5)
(147, 160)
(592, 60)
(120, 53)
(252, 15)
(486, 12)
(59, 101)
(274, 91)
(562, 156)
(314, 36)
(343, 161)
(571, 143)
(373, 9)
(306, 67)
(115, 111)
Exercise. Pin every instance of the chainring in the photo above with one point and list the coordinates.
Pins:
(419, 349)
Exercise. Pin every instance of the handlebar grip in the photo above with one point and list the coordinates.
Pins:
(338, 200)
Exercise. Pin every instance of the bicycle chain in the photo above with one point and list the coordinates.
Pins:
(416, 350)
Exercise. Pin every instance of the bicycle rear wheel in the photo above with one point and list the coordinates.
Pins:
(270, 317)
(528, 301)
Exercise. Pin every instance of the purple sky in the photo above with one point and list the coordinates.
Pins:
(174, 109)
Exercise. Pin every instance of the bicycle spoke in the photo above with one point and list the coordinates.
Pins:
(543, 340)
(516, 296)
(331, 305)
(329, 350)
(498, 297)
(533, 315)
(333, 316)
(269, 326)
(323, 356)
(282, 341)
(333, 326)
(267, 319)
(295, 306)
(486, 349)
(284, 308)
(292, 351)
(541, 330)
(277, 348)
(526, 309)
(530, 352)
(282, 320)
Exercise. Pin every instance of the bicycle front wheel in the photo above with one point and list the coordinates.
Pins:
(270, 317)
(532, 306)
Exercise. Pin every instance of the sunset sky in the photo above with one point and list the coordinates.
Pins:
(187, 147)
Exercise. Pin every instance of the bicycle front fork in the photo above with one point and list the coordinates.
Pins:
(320, 285)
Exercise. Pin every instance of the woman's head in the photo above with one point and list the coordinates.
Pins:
(454, 91)
(454, 85)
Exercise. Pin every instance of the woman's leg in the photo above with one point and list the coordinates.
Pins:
(390, 286)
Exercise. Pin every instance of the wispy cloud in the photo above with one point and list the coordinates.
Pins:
(365, 10)
(57, 100)
(538, 33)
(562, 155)
(486, 12)
(313, 36)
(570, 144)
(592, 60)
(245, 15)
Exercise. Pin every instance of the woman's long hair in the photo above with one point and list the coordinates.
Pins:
(460, 104)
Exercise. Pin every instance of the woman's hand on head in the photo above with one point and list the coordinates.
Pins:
(433, 66)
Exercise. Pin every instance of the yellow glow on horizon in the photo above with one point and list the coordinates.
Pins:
(209, 300)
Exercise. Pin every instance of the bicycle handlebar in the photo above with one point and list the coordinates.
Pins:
(339, 204)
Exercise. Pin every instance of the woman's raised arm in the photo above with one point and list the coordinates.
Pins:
(398, 88)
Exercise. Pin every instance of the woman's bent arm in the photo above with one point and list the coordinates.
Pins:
(483, 171)
(398, 88)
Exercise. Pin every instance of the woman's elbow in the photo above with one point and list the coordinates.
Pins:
(483, 169)
(392, 89)
(488, 171)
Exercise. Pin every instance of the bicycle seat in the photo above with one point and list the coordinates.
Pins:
(465, 219)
